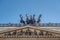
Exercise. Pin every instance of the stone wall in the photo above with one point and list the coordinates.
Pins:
(29, 38)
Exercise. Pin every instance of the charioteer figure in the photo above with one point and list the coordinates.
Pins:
(31, 20)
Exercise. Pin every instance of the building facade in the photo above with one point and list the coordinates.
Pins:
(31, 30)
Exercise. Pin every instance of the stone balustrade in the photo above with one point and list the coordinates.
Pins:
(41, 25)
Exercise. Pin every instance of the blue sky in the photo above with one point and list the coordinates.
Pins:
(10, 10)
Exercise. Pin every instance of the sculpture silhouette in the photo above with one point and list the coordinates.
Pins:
(34, 19)
(27, 19)
(39, 18)
(21, 19)
(31, 20)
